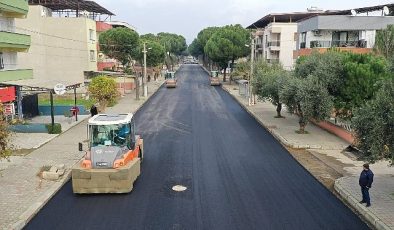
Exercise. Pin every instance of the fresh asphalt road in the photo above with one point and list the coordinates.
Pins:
(237, 175)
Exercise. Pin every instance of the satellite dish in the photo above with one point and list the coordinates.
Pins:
(59, 89)
(354, 13)
(386, 11)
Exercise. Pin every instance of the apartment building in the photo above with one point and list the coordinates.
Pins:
(12, 43)
(103, 61)
(276, 36)
(64, 39)
(343, 32)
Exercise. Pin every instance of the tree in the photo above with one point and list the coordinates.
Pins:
(227, 44)
(5, 134)
(327, 66)
(119, 43)
(242, 71)
(308, 97)
(362, 72)
(150, 37)
(202, 39)
(373, 125)
(267, 82)
(195, 48)
(155, 55)
(174, 46)
(384, 41)
(350, 78)
(104, 90)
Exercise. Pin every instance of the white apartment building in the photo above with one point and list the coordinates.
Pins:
(276, 36)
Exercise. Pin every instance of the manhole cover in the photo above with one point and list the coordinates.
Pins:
(179, 188)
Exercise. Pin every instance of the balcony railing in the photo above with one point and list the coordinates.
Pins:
(13, 75)
(339, 43)
(274, 43)
(16, 8)
(14, 41)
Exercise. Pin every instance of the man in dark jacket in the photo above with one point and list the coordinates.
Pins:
(93, 110)
(365, 182)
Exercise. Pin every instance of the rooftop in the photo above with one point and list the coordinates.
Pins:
(72, 5)
(298, 16)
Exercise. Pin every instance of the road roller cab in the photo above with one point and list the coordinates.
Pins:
(112, 162)
(170, 80)
(214, 78)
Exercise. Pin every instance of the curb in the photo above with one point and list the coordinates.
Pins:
(29, 214)
(276, 135)
(353, 202)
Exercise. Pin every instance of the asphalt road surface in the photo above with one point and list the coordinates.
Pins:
(236, 174)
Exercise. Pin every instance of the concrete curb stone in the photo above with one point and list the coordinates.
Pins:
(43, 200)
(364, 211)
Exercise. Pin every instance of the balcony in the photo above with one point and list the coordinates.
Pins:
(338, 43)
(259, 46)
(14, 75)
(14, 8)
(14, 41)
(274, 45)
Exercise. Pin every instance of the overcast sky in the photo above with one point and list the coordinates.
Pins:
(188, 17)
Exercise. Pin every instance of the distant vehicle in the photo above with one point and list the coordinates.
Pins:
(215, 78)
(170, 80)
(113, 161)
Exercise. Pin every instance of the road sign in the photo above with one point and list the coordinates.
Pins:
(59, 89)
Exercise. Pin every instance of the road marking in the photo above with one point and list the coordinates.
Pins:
(179, 188)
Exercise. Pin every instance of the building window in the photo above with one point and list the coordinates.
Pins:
(92, 35)
(92, 55)
(1, 61)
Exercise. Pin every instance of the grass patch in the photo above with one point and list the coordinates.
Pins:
(56, 129)
(66, 101)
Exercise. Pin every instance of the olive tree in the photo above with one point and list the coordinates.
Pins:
(268, 81)
(308, 98)
(373, 125)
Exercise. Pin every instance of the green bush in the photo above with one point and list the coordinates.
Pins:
(57, 128)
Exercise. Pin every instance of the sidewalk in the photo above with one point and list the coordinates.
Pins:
(23, 193)
(381, 213)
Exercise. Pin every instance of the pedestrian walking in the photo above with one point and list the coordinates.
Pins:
(365, 182)
(93, 110)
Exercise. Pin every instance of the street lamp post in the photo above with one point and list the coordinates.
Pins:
(251, 101)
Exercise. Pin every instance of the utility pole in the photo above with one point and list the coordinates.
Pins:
(144, 86)
(251, 101)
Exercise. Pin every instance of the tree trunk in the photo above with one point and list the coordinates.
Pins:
(231, 70)
(302, 122)
(278, 110)
(224, 75)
